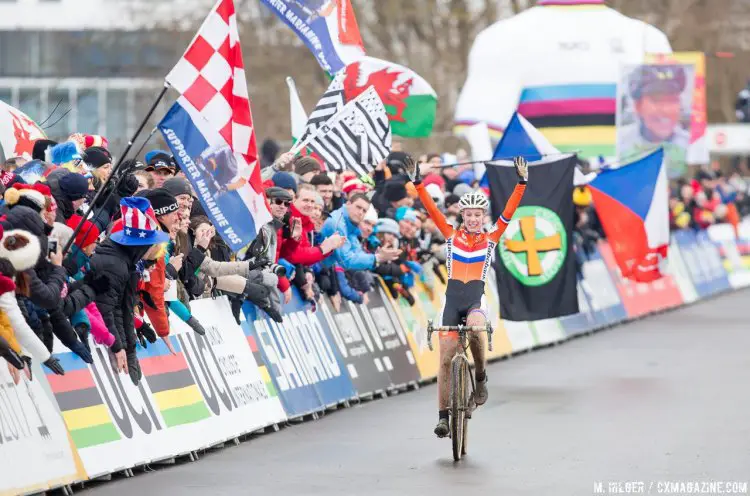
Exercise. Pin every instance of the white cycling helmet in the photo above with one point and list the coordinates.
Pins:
(474, 199)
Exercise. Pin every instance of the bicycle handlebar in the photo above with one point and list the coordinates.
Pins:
(460, 329)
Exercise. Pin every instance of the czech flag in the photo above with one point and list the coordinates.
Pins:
(632, 203)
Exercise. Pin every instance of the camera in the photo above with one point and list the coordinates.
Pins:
(279, 270)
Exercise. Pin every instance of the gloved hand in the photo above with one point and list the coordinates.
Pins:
(82, 351)
(128, 186)
(83, 334)
(146, 333)
(412, 170)
(29, 372)
(522, 169)
(257, 294)
(12, 357)
(196, 326)
(134, 367)
(273, 313)
(54, 365)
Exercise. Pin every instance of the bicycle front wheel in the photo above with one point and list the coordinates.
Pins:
(458, 406)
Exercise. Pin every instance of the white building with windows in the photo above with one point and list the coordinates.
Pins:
(92, 66)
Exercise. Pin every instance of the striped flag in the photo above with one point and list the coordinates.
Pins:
(357, 136)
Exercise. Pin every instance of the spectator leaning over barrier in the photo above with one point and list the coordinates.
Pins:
(345, 221)
(19, 251)
(137, 237)
(166, 212)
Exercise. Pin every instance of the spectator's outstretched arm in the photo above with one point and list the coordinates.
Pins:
(47, 295)
(25, 335)
(345, 288)
(107, 302)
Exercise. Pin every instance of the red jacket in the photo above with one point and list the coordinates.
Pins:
(302, 251)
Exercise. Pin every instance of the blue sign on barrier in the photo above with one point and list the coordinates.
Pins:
(305, 367)
(703, 262)
(606, 306)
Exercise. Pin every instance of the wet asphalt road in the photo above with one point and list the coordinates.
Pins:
(664, 398)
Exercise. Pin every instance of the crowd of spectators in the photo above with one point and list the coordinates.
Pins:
(147, 248)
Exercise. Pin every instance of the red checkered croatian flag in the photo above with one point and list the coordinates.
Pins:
(211, 77)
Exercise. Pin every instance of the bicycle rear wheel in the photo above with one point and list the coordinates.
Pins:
(458, 407)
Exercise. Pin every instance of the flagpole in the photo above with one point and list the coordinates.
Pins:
(115, 170)
(489, 161)
(145, 142)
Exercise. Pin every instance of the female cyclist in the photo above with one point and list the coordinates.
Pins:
(469, 254)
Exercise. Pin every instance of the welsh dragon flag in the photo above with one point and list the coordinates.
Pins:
(410, 101)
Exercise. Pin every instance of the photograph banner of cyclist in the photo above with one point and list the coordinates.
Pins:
(219, 178)
(654, 109)
(535, 266)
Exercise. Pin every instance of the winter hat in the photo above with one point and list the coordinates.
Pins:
(353, 186)
(394, 191)
(21, 248)
(139, 224)
(162, 201)
(61, 233)
(434, 179)
(451, 200)
(275, 192)
(303, 165)
(467, 176)
(34, 196)
(74, 186)
(8, 179)
(87, 235)
(436, 193)
(159, 160)
(406, 213)
(85, 141)
(461, 189)
(348, 175)
(396, 162)
(284, 180)
(582, 196)
(63, 153)
(41, 146)
(371, 215)
(96, 156)
(386, 225)
(177, 186)
(21, 217)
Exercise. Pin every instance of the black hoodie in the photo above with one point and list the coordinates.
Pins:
(117, 263)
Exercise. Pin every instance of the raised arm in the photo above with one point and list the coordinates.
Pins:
(435, 214)
(412, 169)
(522, 168)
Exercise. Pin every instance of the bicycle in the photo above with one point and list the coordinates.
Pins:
(461, 404)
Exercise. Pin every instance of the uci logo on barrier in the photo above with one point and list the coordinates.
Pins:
(535, 245)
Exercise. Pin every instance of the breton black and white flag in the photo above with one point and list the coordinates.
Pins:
(355, 135)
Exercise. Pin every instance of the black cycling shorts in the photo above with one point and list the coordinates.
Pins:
(462, 299)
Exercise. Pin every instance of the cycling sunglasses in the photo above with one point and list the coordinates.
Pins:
(279, 201)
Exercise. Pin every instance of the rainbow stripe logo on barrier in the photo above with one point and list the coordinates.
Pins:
(176, 395)
(264, 375)
(85, 412)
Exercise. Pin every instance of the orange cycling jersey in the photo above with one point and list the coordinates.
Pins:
(469, 254)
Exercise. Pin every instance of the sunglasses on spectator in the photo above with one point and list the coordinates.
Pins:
(286, 203)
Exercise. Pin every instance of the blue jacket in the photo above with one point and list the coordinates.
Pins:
(351, 256)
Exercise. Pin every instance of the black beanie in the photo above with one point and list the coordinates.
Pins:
(74, 186)
(96, 156)
(394, 191)
(177, 186)
(40, 148)
(162, 201)
(22, 217)
(451, 200)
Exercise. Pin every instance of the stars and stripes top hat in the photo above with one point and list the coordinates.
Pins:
(139, 226)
